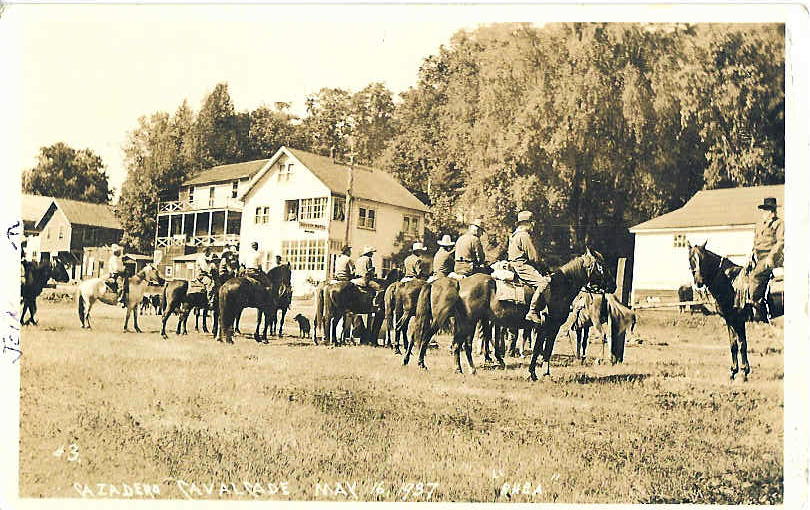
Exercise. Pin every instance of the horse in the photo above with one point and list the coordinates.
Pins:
(717, 273)
(36, 278)
(243, 292)
(96, 289)
(597, 310)
(400, 307)
(176, 296)
(283, 304)
(477, 301)
(335, 302)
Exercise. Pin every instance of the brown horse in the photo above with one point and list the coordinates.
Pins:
(400, 307)
(334, 302)
(176, 296)
(477, 301)
(262, 293)
(718, 273)
(609, 317)
(283, 303)
(35, 279)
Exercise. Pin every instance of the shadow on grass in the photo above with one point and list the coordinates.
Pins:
(608, 379)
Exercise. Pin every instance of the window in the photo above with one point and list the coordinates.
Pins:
(47, 233)
(312, 208)
(235, 189)
(291, 210)
(262, 216)
(367, 218)
(61, 232)
(305, 254)
(191, 195)
(387, 264)
(679, 241)
(284, 171)
(338, 208)
(410, 226)
(211, 196)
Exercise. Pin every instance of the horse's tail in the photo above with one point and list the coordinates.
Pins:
(163, 296)
(390, 299)
(80, 301)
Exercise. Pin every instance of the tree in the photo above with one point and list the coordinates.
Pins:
(372, 112)
(269, 129)
(219, 134)
(328, 123)
(64, 172)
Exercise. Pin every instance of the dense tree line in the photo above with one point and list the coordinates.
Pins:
(64, 172)
(594, 127)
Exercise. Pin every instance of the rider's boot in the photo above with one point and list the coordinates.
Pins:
(536, 313)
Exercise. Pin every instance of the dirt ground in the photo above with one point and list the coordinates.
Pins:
(104, 411)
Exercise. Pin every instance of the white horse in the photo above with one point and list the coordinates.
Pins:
(95, 289)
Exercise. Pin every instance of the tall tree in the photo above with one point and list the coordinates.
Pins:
(329, 124)
(64, 172)
(219, 134)
(372, 111)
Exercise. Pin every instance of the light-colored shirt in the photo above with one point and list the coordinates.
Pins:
(413, 266)
(443, 262)
(344, 268)
(769, 238)
(470, 249)
(203, 263)
(115, 264)
(521, 247)
(253, 259)
(364, 265)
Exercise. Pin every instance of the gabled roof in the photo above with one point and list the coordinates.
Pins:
(368, 183)
(34, 206)
(718, 207)
(224, 173)
(82, 213)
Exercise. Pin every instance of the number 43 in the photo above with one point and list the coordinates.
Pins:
(72, 454)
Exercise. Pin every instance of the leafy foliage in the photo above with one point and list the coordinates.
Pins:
(64, 172)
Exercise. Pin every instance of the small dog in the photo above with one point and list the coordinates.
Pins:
(303, 325)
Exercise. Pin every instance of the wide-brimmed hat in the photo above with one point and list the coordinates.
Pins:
(368, 249)
(477, 222)
(524, 216)
(345, 247)
(769, 204)
(445, 241)
(115, 248)
(417, 246)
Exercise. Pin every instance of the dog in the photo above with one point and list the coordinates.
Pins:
(303, 325)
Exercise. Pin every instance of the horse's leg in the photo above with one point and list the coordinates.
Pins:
(732, 339)
(548, 347)
(409, 348)
(267, 313)
(32, 308)
(238, 318)
(500, 346)
(281, 323)
(24, 309)
(135, 319)
(126, 321)
(743, 342)
(259, 314)
(536, 348)
(165, 318)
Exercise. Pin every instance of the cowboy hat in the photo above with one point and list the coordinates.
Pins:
(478, 222)
(768, 204)
(524, 216)
(417, 246)
(368, 249)
(445, 241)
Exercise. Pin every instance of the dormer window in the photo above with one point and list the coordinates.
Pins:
(284, 171)
(191, 195)
(235, 189)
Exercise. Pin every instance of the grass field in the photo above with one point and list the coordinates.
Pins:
(309, 422)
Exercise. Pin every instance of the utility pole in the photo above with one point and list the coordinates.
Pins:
(349, 185)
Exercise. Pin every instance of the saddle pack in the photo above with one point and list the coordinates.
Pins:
(514, 292)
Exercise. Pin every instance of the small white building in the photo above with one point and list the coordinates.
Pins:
(296, 206)
(725, 218)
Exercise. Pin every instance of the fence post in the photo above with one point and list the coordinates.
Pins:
(622, 284)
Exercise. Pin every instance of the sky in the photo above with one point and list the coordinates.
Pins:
(87, 73)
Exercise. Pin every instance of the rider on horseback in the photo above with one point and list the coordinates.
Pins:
(344, 266)
(253, 263)
(769, 241)
(117, 270)
(469, 250)
(206, 268)
(414, 266)
(443, 260)
(364, 269)
(229, 263)
(523, 258)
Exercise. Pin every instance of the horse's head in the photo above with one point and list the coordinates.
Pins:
(58, 270)
(281, 276)
(698, 263)
(152, 275)
(597, 272)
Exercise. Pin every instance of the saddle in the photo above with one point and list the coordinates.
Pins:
(513, 291)
(502, 271)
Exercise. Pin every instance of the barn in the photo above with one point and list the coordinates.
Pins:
(724, 218)
(304, 207)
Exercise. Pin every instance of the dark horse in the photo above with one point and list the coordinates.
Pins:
(243, 292)
(401, 299)
(176, 295)
(282, 305)
(35, 279)
(477, 301)
(718, 273)
(334, 302)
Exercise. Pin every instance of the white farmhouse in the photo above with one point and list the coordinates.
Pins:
(304, 207)
(725, 218)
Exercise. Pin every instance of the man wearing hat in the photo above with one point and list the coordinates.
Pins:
(254, 259)
(344, 267)
(443, 260)
(523, 258)
(469, 250)
(769, 241)
(414, 268)
(229, 262)
(116, 270)
(205, 270)
(364, 268)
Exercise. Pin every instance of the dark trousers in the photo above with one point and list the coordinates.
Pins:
(758, 280)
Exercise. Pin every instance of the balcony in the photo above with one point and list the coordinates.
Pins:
(179, 206)
(201, 240)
